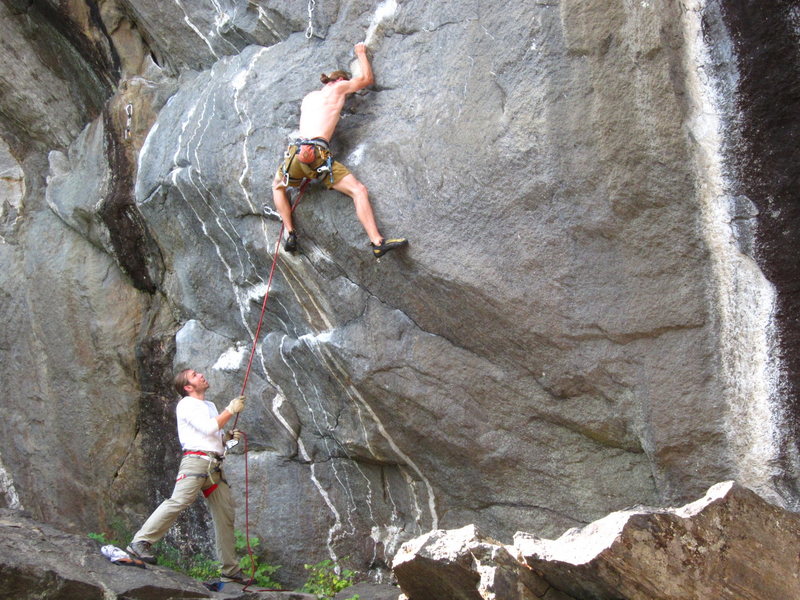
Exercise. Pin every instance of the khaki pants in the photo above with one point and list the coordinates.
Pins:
(297, 171)
(197, 474)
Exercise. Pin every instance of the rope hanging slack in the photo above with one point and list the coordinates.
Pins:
(244, 387)
(250, 553)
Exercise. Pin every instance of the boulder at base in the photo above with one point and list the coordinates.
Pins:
(730, 544)
(464, 564)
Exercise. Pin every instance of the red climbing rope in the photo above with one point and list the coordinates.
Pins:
(266, 295)
(244, 387)
(247, 513)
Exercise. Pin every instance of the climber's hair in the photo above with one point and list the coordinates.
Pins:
(335, 76)
(181, 381)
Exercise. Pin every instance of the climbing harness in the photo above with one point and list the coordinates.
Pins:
(209, 456)
(307, 153)
(310, 28)
(214, 466)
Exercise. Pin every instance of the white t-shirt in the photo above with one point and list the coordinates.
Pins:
(197, 425)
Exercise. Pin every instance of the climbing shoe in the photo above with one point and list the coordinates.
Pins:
(142, 550)
(291, 242)
(238, 577)
(379, 250)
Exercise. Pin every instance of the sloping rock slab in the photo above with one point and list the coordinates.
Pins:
(369, 591)
(234, 591)
(463, 564)
(40, 561)
(731, 544)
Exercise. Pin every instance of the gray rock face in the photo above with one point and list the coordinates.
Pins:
(54, 78)
(574, 327)
(12, 190)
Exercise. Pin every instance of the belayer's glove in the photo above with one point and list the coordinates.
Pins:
(233, 434)
(236, 405)
(231, 438)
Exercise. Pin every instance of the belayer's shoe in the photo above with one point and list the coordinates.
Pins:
(379, 250)
(214, 586)
(142, 551)
(238, 577)
(291, 242)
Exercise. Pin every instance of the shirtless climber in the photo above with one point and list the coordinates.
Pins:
(309, 157)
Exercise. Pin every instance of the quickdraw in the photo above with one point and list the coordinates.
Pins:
(310, 28)
(129, 113)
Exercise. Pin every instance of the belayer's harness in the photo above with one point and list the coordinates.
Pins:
(307, 152)
(210, 456)
(214, 466)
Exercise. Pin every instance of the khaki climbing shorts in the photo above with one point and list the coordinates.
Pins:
(298, 171)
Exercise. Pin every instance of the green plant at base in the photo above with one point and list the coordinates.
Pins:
(325, 582)
(197, 566)
(120, 532)
(202, 568)
(261, 572)
(98, 537)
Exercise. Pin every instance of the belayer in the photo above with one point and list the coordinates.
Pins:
(201, 434)
(310, 157)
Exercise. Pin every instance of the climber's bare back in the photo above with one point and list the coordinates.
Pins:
(321, 109)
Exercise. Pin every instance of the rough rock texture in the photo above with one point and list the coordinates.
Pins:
(578, 324)
(761, 104)
(463, 564)
(40, 561)
(369, 591)
(729, 544)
